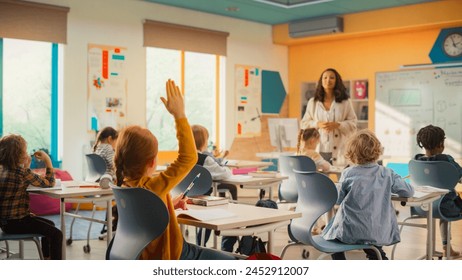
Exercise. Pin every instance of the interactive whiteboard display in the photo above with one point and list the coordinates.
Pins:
(409, 100)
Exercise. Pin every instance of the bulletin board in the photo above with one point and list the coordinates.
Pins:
(107, 87)
(409, 100)
(248, 100)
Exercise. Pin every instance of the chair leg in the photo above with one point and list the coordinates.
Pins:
(283, 252)
(39, 248)
(21, 249)
(7, 249)
(448, 243)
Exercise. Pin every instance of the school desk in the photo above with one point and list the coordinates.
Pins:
(245, 220)
(74, 189)
(423, 200)
(249, 182)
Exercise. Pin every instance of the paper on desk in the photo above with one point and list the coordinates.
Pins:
(34, 188)
(204, 215)
(430, 189)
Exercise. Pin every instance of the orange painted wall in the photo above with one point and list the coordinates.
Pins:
(358, 53)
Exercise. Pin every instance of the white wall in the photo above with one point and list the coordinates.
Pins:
(119, 23)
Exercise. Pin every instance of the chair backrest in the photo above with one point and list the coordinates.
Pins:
(288, 188)
(317, 194)
(202, 185)
(438, 174)
(143, 217)
(96, 167)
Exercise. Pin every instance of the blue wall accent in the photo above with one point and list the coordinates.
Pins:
(437, 54)
(273, 92)
(54, 105)
(1, 86)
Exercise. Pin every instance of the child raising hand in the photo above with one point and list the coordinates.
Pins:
(136, 159)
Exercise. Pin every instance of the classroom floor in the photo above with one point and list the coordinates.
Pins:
(411, 247)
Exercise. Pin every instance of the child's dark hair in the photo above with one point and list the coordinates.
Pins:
(430, 137)
(105, 133)
(305, 135)
(12, 151)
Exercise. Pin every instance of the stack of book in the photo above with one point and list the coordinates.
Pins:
(207, 200)
(264, 174)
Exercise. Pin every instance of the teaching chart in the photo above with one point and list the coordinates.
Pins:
(248, 101)
(409, 100)
(107, 87)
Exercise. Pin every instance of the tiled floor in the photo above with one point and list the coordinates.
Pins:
(412, 245)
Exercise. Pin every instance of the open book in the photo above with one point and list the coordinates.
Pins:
(205, 214)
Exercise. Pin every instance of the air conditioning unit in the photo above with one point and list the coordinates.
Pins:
(315, 26)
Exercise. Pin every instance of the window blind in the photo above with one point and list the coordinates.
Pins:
(33, 21)
(186, 38)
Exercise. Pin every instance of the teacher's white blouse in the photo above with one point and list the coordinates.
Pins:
(333, 141)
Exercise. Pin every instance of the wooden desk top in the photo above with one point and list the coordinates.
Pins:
(73, 189)
(244, 216)
(248, 180)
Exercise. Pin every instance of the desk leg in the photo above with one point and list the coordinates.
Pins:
(430, 232)
(215, 189)
(270, 192)
(62, 209)
(109, 221)
(270, 241)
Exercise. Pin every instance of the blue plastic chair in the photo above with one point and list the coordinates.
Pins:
(317, 194)
(202, 185)
(288, 189)
(438, 174)
(143, 217)
(96, 167)
(21, 238)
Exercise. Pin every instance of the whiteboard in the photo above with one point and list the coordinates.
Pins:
(409, 100)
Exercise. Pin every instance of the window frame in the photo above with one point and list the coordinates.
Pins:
(54, 99)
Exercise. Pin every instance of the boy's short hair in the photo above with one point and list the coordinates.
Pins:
(12, 151)
(201, 135)
(430, 137)
(363, 147)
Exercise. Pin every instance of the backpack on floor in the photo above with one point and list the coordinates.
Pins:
(253, 246)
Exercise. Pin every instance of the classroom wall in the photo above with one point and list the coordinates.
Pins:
(119, 23)
(372, 42)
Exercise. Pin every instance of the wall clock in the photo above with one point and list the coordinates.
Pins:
(447, 46)
(452, 44)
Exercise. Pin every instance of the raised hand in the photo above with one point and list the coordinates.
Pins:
(175, 100)
(41, 155)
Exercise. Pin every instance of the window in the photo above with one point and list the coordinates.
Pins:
(201, 76)
(29, 93)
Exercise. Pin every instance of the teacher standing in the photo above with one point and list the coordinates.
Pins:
(330, 111)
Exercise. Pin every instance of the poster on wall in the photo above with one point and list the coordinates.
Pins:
(248, 100)
(107, 87)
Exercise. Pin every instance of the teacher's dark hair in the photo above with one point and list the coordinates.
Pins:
(340, 91)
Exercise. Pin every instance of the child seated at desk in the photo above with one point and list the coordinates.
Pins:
(431, 138)
(308, 140)
(201, 137)
(366, 214)
(136, 160)
(15, 178)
